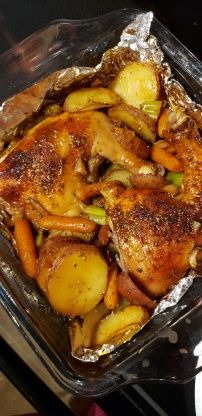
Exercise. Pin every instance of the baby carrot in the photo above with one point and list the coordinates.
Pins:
(88, 191)
(26, 246)
(166, 159)
(111, 296)
(104, 234)
(74, 224)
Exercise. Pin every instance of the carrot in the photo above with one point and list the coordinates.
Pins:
(103, 235)
(26, 246)
(74, 224)
(166, 159)
(111, 296)
(88, 191)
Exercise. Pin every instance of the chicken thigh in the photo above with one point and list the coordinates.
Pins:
(154, 235)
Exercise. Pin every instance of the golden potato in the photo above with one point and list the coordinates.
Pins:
(73, 275)
(136, 119)
(113, 328)
(90, 98)
(91, 320)
(137, 83)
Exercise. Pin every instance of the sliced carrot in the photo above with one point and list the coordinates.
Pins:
(103, 235)
(88, 191)
(111, 296)
(74, 224)
(26, 246)
(166, 159)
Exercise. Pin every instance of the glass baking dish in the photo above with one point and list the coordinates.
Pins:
(165, 349)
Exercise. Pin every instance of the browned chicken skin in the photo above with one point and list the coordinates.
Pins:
(42, 166)
(188, 145)
(154, 235)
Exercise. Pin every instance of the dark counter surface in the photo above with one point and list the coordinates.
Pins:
(20, 18)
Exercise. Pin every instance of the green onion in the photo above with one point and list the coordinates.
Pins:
(152, 108)
(96, 214)
(176, 178)
(39, 239)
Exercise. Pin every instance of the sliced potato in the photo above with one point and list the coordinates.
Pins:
(136, 119)
(76, 335)
(137, 83)
(113, 328)
(91, 320)
(73, 276)
(90, 98)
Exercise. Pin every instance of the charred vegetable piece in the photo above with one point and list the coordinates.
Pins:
(136, 119)
(113, 328)
(90, 98)
(136, 83)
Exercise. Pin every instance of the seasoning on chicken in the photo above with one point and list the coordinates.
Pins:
(154, 235)
(42, 166)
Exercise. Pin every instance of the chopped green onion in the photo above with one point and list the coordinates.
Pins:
(96, 214)
(39, 239)
(176, 178)
(152, 108)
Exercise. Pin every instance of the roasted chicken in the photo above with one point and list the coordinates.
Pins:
(154, 235)
(43, 165)
(103, 197)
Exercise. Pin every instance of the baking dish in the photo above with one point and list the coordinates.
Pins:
(164, 349)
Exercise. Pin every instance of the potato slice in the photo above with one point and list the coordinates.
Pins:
(136, 119)
(90, 98)
(136, 83)
(73, 275)
(113, 328)
(91, 320)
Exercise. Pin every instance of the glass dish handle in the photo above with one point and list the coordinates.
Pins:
(173, 357)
